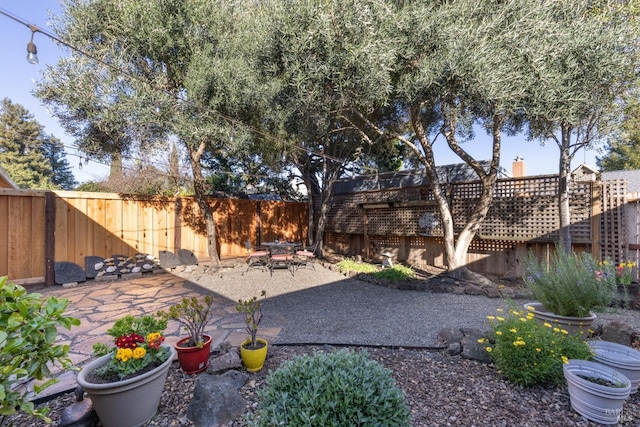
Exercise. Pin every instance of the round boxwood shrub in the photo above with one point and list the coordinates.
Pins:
(343, 388)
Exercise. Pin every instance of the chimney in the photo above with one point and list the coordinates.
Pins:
(517, 168)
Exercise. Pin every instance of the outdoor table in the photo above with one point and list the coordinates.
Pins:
(281, 255)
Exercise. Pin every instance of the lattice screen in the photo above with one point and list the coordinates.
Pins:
(613, 224)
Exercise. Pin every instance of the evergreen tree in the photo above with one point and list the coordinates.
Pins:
(623, 152)
(61, 173)
(21, 148)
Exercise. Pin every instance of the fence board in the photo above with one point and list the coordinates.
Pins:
(103, 224)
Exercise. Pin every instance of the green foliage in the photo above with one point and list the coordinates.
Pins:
(530, 353)
(397, 273)
(28, 330)
(193, 315)
(34, 160)
(343, 388)
(251, 310)
(623, 151)
(572, 284)
(349, 264)
(137, 344)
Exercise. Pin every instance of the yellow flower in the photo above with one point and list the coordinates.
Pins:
(490, 317)
(153, 336)
(564, 331)
(548, 325)
(556, 329)
(489, 349)
(499, 310)
(565, 360)
(522, 319)
(530, 308)
(530, 316)
(481, 340)
(124, 354)
(498, 332)
(500, 319)
(513, 330)
(139, 352)
(538, 349)
(519, 343)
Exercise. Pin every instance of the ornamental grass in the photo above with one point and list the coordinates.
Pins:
(529, 353)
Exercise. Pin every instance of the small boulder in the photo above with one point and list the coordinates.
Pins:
(216, 399)
(617, 332)
(448, 336)
(471, 348)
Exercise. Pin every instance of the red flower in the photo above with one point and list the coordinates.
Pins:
(129, 341)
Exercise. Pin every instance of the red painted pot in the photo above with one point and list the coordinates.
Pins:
(193, 359)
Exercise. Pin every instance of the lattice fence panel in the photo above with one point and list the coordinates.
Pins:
(613, 235)
(345, 214)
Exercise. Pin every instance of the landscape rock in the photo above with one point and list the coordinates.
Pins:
(168, 259)
(78, 414)
(68, 272)
(473, 289)
(448, 336)
(224, 362)
(617, 332)
(471, 348)
(217, 399)
(454, 349)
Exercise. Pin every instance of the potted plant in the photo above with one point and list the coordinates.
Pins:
(195, 349)
(125, 382)
(597, 392)
(622, 358)
(253, 350)
(569, 289)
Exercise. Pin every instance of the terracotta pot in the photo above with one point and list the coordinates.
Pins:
(578, 326)
(596, 402)
(193, 359)
(127, 403)
(253, 359)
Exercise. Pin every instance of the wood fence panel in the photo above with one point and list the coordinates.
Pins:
(4, 234)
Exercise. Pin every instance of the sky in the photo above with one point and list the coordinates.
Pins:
(17, 79)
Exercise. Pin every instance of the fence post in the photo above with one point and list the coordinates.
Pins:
(596, 218)
(49, 238)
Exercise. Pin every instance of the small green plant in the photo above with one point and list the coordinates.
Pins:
(343, 388)
(349, 264)
(572, 284)
(137, 344)
(251, 310)
(397, 273)
(530, 353)
(28, 330)
(193, 315)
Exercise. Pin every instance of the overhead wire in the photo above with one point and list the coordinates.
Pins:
(178, 97)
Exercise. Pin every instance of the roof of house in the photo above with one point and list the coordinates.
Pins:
(632, 177)
(458, 172)
(5, 179)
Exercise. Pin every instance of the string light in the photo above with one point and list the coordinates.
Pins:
(113, 67)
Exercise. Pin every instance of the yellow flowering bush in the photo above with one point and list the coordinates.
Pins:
(529, 353)
(138, 344)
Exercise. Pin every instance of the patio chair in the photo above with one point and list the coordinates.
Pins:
(305, 256)
(256, 257)
(281, 257)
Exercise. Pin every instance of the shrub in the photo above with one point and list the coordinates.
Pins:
(348, 264)
(28, 330)
(343, 388)
(572, 284)
(530, 353)
(397, 273)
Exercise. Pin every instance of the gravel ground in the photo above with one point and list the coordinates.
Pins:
(441, 390)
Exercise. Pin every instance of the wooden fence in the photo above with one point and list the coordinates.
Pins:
(523, 217)
(40, 228)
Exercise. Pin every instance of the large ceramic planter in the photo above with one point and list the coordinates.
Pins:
(578, 326)
(127, 403)
(596, 402)
(193, 359)
(623, 359)
(253, 359)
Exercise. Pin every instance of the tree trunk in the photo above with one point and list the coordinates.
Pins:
(456, 251)
(201, 199)
(563, 188)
